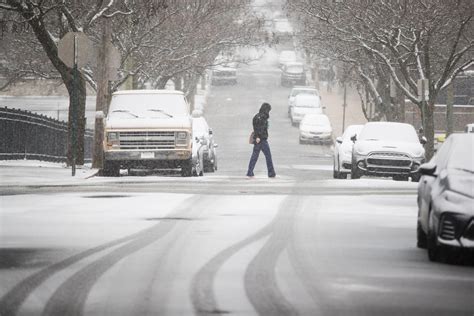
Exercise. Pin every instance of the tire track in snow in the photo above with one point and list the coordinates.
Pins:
(260, 277)
(13, 299)
(70, 297)
(11, 302)
(202, 289)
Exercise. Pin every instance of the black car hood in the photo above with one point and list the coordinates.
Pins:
(461, 182)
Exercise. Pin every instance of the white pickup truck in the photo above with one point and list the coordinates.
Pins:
(148, 129)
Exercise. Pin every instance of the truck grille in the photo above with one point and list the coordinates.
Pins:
(147, 140)
(389, 159)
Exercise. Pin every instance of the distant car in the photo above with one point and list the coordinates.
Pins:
(315, 128)
(224, 75)
(293, 73)
(343, 152)
(304, 104)
(387, 149)
(296, 90)
(286, 56)
(469, 128)
(204, 151)
(446, 199)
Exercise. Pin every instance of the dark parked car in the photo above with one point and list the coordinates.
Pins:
(446, 199)
(293, 73)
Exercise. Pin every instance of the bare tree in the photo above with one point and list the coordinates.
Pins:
(47, 21)
(406, 40)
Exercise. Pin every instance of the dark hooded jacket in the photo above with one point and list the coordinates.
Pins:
(260, 122)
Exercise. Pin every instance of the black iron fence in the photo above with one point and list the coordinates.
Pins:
(26, 135)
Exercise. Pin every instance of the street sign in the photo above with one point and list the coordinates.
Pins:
(75, 46)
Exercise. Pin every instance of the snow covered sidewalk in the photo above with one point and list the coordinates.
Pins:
(34, 172)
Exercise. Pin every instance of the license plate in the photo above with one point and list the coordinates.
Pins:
(147, 155)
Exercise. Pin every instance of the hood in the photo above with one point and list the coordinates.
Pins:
(147, 122)
(366, 146)
(461, 182)
(316, 128)
(307, 110)
(265, 109)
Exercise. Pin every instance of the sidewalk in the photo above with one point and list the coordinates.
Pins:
(34, 172)
(333, 101)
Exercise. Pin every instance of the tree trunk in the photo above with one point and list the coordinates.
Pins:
(80, 121)
(428, 128)
(51, 50)
(449, 109)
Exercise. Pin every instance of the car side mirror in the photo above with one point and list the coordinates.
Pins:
(339, 139)
(354, 138)
(423, 140)
(428, 169)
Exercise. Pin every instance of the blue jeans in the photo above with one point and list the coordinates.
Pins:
(265, 147)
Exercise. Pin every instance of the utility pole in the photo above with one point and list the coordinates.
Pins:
(102, 94)
(449, 109)
(344, 106)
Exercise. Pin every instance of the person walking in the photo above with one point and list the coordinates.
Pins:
(260, 141)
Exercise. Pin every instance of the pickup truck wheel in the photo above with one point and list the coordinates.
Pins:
(110, 169)
(187, 168)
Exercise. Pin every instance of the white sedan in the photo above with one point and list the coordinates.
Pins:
(315, 128)
(343, 152)
(204, 148)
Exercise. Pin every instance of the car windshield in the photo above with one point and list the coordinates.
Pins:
(149, 105)
(351, 131)
(288, 54)
(200, 127)
(389, 132)
(306, 102)
(461, 155)
(294, 68)
(296, 92)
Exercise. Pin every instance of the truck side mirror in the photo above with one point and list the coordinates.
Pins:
(339, 139)
(354, 138)
(210, 131)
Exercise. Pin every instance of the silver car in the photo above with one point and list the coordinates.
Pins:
(446, 199)
(387, 149)
(204, 147)
(343, 152)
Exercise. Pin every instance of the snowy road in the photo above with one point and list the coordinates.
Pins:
(184, 254)
(300, 244)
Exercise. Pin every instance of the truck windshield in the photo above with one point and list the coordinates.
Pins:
(150, 105)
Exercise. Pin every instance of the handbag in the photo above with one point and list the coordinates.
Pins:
(251, 138)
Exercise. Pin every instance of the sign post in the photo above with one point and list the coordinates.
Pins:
(74, 49)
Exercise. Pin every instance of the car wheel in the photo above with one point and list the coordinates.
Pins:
(355, 174)
(342, 175)
(420, 236)
(431, 241)
(416, 177)
(335, 173)
(400, 178)
(110, 169)
(187, 168)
